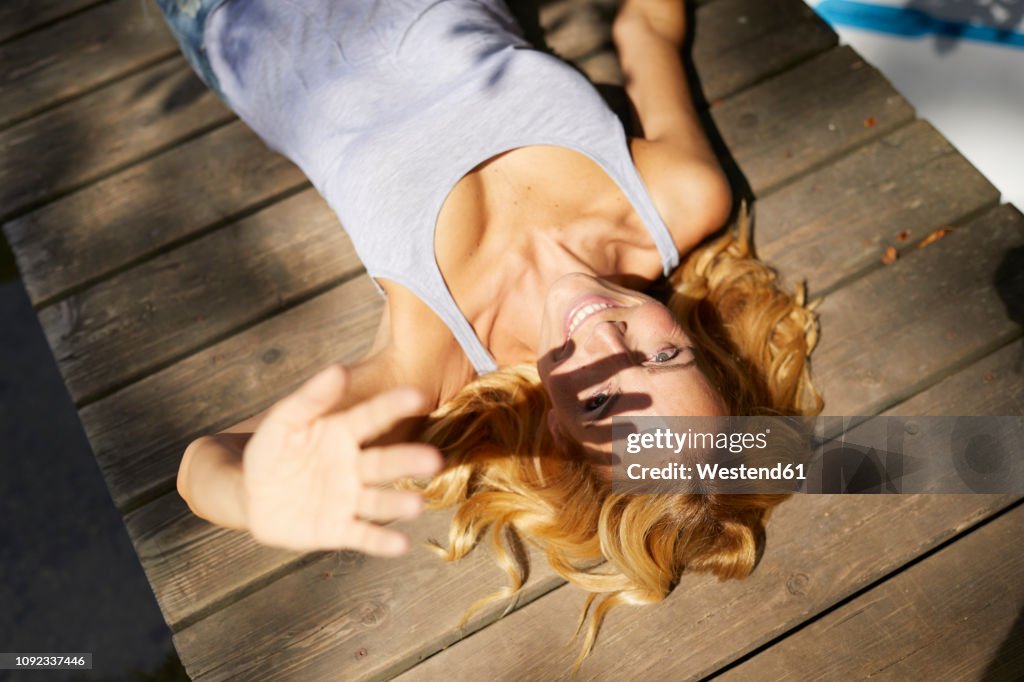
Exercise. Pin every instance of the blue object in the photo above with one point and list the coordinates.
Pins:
(911, 22)
(187, 21)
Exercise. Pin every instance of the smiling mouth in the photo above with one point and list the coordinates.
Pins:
(585, 309)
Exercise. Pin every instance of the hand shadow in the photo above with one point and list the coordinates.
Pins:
(596, 373)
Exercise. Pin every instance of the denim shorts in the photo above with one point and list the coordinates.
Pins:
(187, 19)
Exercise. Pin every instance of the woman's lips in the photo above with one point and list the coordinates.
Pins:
(584, 308)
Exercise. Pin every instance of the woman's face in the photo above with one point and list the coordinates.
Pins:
(608, 351)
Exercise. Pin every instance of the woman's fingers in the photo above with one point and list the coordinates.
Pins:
(375, 416)
(373, 539)
(383, 465)
(315, 398)
(384, 504)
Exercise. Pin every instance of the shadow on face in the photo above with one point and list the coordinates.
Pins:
(612, 352)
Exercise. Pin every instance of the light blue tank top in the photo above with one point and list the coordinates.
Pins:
(387, 104)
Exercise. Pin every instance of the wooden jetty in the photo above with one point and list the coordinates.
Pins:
(187, 277)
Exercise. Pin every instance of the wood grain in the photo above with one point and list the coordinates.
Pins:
(820, 549)
(21, 16)
(735, 42)
(835, 224)
(739, 42)
(138, 212)
(794, 122)
(360, 616)
(994, 385)
(78, 54)
(956, 615)
(948, 622)
(140, 432)
(167, 307)
(898, 329)
(101, 131)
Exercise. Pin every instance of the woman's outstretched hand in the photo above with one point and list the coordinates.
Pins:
(310, 482)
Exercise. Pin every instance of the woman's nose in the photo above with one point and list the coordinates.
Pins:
(607, 336)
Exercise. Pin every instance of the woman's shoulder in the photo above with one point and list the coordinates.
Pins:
(693, 199)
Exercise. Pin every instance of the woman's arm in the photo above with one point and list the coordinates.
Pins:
(649, 35)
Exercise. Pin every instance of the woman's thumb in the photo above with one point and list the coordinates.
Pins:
(315, 398)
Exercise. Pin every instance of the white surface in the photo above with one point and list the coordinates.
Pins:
(972, 91)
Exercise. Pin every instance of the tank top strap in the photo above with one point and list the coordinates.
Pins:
(435, 294)
(632, 185)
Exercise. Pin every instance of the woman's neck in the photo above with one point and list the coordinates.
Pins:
(505, 235)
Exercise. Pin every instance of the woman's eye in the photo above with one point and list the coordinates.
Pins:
(665, 355)
(594, 402)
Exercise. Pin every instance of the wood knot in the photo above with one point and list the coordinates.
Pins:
(271, 356)
(748, 120)
(372, 613)
(797, 584)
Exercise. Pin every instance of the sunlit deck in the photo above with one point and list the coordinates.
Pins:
(186, 277)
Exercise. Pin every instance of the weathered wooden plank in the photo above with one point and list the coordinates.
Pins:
(952, 616)
(836, 223)
(99, 132)
(364, 617)
(80, 53)
(738, 42)
(899, 328)
(154, 313)
(820, 549)
(800, 119)
(21, 16)
(140, 432)
(994, 385)
(137, 212)
(179, 551)
(87, 234)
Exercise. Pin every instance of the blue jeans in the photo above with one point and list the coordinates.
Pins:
(187, 19)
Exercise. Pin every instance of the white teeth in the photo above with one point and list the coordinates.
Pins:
(584, 313)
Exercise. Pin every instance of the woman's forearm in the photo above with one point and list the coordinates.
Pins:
(210, 480)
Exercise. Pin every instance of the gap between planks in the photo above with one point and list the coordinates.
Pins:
(744, 667)
(66, 11)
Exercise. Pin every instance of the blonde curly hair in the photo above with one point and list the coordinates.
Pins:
(506, 473)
